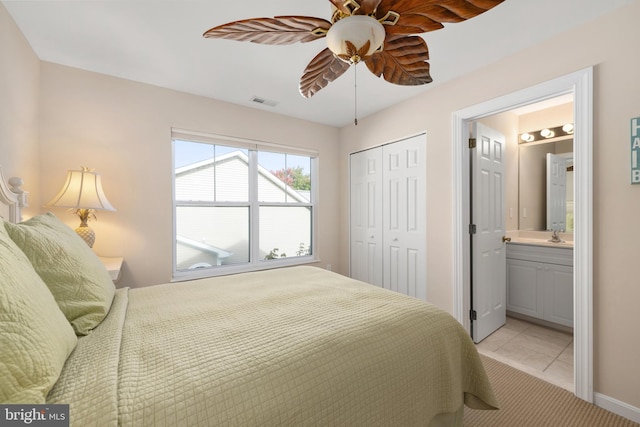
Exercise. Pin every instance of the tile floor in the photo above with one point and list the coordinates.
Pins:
(539, 351)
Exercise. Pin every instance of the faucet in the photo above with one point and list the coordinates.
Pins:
(555, 238)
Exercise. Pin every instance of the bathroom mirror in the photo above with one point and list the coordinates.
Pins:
(532, 183)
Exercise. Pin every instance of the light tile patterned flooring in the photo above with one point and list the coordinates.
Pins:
(539, 351)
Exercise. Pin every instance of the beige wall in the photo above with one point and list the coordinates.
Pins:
(123, 130)
(19, 91)
(549, 117)
(610, 45)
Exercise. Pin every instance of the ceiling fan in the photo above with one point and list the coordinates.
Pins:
(380, 33)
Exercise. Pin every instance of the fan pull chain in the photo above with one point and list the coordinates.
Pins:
(355, 94)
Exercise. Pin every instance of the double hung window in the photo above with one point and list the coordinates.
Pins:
(240, 205)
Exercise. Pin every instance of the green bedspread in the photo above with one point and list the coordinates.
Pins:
(287, 347)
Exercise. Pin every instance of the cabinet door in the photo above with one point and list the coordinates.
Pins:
(366, 216)
(558, 294)
(524, 294)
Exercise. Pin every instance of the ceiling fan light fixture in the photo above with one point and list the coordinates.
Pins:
(356, 33)
(357, 30)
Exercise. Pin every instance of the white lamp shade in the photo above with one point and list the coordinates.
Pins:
(357, 29)
(82, 190)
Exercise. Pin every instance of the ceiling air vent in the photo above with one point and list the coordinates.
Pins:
(264, 101)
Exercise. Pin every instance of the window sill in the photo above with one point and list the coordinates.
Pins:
(201, 273)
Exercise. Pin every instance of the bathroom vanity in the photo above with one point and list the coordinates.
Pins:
(540, 280)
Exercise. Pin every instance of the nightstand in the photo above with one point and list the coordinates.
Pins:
(113, 266)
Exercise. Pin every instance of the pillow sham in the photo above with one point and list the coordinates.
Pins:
(35, 337)
(75, 275)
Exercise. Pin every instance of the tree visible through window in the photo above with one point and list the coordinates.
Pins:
(239, 208)
(294, 177)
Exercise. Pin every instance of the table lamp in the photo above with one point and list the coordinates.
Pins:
(82, 193)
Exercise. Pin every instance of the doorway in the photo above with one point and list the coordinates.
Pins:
(531, 287)
(580, 85)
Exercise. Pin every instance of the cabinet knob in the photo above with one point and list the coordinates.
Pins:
(506, 239)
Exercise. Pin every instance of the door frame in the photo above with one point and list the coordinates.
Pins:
(580, 84)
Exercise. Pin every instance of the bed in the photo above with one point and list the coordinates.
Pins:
(296, 346)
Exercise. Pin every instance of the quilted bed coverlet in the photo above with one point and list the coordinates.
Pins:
(286, 347)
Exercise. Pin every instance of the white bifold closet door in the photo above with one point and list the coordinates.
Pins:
(366, 216)
(388, 216)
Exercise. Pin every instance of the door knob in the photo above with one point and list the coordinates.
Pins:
(506, 239)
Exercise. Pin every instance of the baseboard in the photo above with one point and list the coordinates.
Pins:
(617, 407)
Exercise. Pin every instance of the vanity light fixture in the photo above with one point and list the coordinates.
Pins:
(568, 128)
(526, 137)
(547, 133)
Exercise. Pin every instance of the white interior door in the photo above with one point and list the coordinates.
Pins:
(488, 249)
(366, 216)
(404, 216)
(556, 192)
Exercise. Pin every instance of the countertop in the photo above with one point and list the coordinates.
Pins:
(539, 238)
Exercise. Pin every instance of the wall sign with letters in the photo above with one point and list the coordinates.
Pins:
(635, 150)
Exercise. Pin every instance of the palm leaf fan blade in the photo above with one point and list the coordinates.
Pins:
(367, 7)
(322, 70)
(280, 30)
(403, 61)
(420, 16)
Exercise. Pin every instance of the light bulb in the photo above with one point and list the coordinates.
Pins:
(568, 128)
(547, 133)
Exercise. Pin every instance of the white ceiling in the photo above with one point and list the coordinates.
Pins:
(161, 43)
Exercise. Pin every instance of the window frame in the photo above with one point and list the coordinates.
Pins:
(255, 263)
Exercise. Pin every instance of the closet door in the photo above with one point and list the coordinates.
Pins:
(366, 216)
(404, 216)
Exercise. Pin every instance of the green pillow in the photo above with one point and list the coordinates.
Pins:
(73, 272)
(35, 337)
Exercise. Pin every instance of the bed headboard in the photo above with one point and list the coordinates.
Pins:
(12, 198)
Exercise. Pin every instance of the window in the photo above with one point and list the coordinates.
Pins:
(240, 206)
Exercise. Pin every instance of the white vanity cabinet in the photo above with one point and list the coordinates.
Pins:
(540, 282)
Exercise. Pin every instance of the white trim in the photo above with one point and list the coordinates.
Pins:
(617, 407)
(580, 84)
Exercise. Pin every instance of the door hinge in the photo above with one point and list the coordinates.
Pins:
(473, 315)
(472, 143)
(472, 229)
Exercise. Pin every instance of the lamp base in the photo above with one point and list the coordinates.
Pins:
(87, 234)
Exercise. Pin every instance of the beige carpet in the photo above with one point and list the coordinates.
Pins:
(526, 401)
